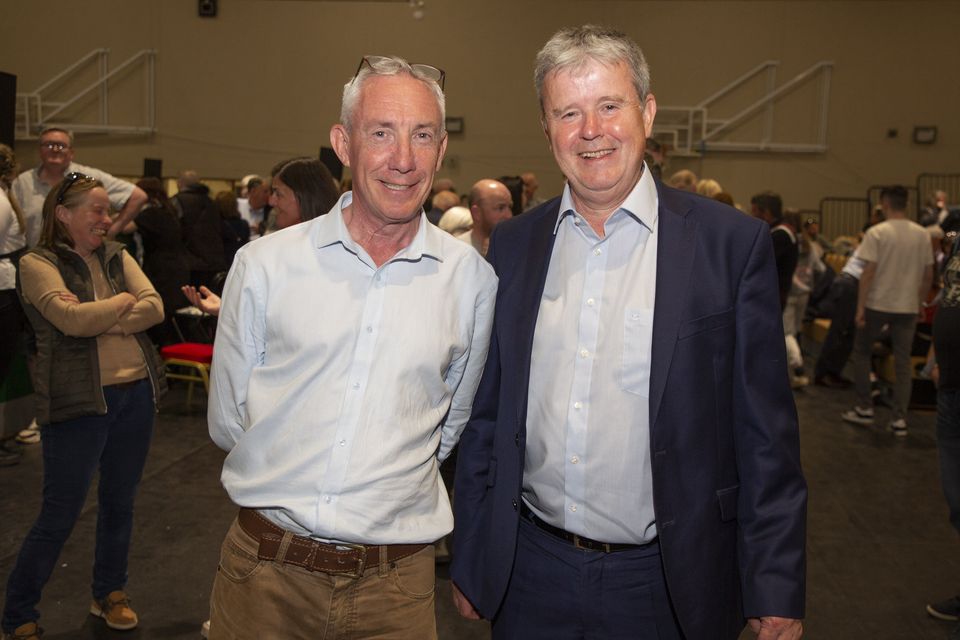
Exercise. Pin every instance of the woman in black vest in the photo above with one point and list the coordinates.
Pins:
(97, 380)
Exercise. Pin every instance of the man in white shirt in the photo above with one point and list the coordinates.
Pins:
(897, 274)
(490, 204)
(56, 160)
(348, 352)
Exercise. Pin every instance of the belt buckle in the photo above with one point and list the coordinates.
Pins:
(361, 551)
(590, 545)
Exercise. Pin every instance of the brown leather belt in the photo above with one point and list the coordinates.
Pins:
(318, 556)
(578, 541)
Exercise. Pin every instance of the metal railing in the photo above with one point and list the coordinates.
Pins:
(913, 199)
(843, 216)
(690, 130)
(40, 108)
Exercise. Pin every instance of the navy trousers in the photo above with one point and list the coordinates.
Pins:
(73, 450)
(560, 592)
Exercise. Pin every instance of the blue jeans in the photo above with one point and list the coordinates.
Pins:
(117, 443)
(948, 444)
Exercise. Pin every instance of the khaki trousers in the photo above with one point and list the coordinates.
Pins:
(260, 600)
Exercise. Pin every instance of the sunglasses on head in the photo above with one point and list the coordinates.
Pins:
(68, 181)
(426, 70)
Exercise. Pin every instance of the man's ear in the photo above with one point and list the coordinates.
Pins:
(340, 141)
(443, 150)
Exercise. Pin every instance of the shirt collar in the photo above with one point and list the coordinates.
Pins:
(640, 204)
(428, 242)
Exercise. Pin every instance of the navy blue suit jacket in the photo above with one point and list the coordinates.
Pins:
(728, 492)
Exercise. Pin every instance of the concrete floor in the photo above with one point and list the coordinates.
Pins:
(880, 546)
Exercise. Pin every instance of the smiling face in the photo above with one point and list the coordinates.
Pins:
(393, 147)
(284, 202)
(597, 128)
(56, 154)
(88, 221)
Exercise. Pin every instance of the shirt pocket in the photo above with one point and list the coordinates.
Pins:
(637, 345)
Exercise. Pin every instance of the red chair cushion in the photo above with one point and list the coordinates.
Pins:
(193, 351)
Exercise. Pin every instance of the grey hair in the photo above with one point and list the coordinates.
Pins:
(386, 66)
(573, 47)
(68, 133)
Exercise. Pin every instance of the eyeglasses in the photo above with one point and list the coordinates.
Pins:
(54, 146)
(428, 71)
(68, 181)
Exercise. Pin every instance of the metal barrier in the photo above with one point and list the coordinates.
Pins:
(927, 183)
(914, 204)
(843, 216)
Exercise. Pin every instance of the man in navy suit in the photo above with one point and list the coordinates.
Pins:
(631, 468)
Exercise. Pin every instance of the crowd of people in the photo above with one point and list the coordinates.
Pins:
(494, 306)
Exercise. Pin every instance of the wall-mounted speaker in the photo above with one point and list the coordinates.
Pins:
(8, 107)
(329, 158)
(152, 168)
(207, 8)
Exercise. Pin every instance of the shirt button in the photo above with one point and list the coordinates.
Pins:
(577, 405)
(574, 459)
(584, 353)
(597, 251)
(573, 508)
(343, 443)
(326, 499)
(369, 329)
(590, 302)
(356, 385)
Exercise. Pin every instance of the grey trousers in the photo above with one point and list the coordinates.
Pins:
(902, 326)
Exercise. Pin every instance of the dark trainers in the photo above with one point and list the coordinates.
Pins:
(858, 415)
(947, 610)
(28, 631)
(115, 609)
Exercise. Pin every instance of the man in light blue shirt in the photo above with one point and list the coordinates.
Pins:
(348, 352)
(631, 466)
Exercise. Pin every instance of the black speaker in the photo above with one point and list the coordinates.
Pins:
(8, 107)
(152, 168)
(329, 158)
(207, 8)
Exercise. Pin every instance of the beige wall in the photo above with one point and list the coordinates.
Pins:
(262, 81)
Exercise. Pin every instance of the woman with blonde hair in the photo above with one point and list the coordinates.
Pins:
(96, 379)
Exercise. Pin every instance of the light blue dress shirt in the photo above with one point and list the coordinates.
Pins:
(587, 467)
(338, 387)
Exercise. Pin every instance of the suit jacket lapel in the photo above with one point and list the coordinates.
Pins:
(530, 279)
(675, 255)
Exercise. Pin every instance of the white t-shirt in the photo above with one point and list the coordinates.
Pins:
(901, 248)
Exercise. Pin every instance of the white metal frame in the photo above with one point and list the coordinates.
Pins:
(37, 110)
(691, 131)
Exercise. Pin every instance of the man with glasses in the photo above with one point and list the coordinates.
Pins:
(347, 355)
(56, 160)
